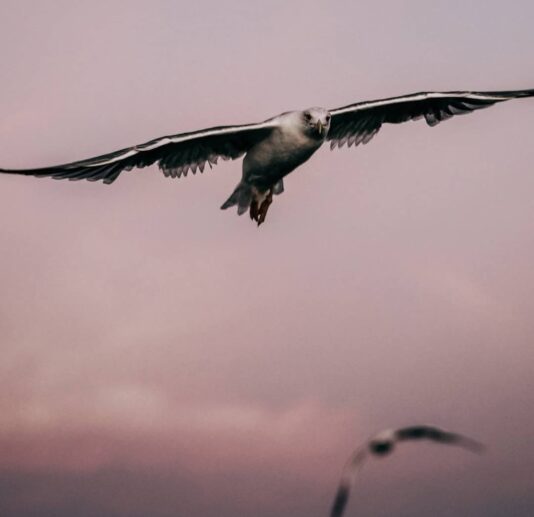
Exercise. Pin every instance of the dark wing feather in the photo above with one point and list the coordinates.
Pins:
(435, 434)
(419, 432)
(175, 155)
(358, 123)
(350, 470)
(340, 501)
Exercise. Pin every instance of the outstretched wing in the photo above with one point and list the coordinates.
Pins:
(175, 155)
(358, 123)
(427, 432)
(350, 470)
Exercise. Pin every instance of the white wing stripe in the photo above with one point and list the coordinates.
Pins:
(153, 145)
(177, 139)
(422, 96)
(222, 131)
(132, 152)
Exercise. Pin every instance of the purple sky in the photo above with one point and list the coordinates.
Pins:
(161, 357)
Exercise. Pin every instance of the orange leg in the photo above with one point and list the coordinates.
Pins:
(262, 212)
(254, 210)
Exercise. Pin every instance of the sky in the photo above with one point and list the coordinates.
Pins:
(161, 357)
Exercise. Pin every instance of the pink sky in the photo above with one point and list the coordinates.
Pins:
(161, 357)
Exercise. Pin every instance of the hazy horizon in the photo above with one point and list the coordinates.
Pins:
(162, 357)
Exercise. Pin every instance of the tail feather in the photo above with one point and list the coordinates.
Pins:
(241, 196)
(232, 200)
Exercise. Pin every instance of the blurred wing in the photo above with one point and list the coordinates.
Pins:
(350, 470)
(175, 155)
(340, 501)
(358, 123)
(419, 432)
(435, 434)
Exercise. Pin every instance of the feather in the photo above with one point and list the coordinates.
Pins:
(358, 123)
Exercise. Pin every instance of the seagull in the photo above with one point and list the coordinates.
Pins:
(273, 148)
(383, 444)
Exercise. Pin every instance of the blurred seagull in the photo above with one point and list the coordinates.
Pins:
(275, 147)
(383, 444)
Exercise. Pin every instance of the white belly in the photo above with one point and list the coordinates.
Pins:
(278, 155)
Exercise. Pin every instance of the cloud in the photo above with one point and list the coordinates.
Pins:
(135, 425)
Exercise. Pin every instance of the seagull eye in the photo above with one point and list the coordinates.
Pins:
(307, 116)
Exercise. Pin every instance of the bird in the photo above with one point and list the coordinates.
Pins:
(275, 147)
(383, 444)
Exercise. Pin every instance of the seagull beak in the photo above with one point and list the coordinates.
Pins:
(320, 127)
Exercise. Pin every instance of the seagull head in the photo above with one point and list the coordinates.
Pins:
(381, 447)
(316, 121)
(383, 443)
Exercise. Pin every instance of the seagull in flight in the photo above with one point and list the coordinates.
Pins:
(273, 148)
(383, 444)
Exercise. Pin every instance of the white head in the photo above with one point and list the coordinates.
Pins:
(317, 121)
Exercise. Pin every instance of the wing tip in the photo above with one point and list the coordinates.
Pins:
(59, 175)
(340, 501)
